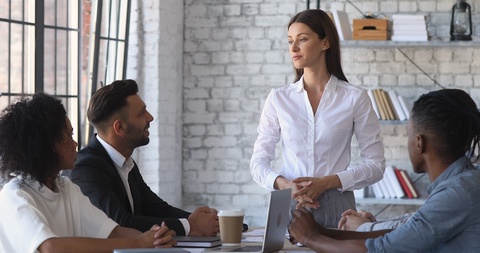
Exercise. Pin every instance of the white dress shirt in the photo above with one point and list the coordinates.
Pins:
(319, 145)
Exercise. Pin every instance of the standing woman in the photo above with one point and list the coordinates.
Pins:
(316, 117)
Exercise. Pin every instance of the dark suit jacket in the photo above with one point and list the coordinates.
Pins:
(97, 177)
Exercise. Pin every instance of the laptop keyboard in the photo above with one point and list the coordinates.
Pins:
(248, 249)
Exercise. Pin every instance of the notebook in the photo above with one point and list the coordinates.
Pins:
(276, 226)
(159, 250)
(196, 241)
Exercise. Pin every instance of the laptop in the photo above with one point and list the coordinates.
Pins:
(278, 218)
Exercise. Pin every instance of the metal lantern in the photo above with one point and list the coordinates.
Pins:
(461, 23)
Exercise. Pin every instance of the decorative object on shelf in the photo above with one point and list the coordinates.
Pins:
(372, 29)
(461, 23)
(409, 27)
(340, 18)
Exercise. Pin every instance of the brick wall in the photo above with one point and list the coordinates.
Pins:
(155, 61)
(234, 53)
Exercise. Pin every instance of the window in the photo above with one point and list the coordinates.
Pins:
(63, 48)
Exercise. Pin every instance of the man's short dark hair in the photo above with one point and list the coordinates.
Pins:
(108, 100)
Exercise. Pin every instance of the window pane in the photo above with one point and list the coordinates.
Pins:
(29, 11)
(73, 74)
(112, 50)
(16, 55)
(29, 59)
(62, 64)
(50, 17)
(17, 10)
(119, 61)
(4, 8)
(123, 19)
(4, 60)
(62, 12)
(49, 63)
(102, 62)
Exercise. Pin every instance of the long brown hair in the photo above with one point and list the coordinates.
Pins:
(322, 24)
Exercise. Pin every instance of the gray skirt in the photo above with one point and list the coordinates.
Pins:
(332, 204)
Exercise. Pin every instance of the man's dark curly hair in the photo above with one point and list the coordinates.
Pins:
(29, 130)
(451, 118)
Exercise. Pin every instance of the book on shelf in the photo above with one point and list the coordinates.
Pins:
(409, 28)
(377, 191)
(410, 17)
(387, 191)
(390, 109)
(393, 182)
(387, 105)
(396, 104)
(197, 242)
(406, 183)
(340, 18)
(405, 108)
(379, 102)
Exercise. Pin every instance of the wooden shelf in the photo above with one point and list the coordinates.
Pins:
(383, 201)
(394, 44)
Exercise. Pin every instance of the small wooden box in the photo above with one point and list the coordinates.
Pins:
(372, 29)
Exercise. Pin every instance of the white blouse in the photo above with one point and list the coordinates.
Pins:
(319, 145)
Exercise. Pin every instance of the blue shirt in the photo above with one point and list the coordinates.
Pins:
(449, 221)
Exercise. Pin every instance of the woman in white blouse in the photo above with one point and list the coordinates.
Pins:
(316, 117)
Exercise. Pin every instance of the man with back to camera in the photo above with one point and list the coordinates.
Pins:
(108, 175)
(443, 135)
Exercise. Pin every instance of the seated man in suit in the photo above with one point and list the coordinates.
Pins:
(108, 175)
(443, 135)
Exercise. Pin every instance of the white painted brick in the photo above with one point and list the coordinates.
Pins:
(427, 6)
(221, 57)
(407, 6)
(454, 67)
(197, 106)
(232, 10)
(464, 81)
(223, 188)
(220, 34)
(201, 58)
(388, 7)
(205, 82)
(233, 129)
(272, 20)
(250, 69)
(237, 57)
(199, 118)
(206, 70)
(223, 81)
(196, 22)
(196, 130)
(250, 9)
(232, 105)
(370, 80)
(196, 93)
(388, 80)
(215, 45)
(254, 57)
(216, 130)
(239, 33)
(256, 32)
(226, 141)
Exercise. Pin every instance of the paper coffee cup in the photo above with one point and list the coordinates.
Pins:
(231, 223)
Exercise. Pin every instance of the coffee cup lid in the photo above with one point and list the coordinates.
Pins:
(231, 213)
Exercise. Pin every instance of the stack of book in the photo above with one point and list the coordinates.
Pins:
(395, 184)
(388, 105)
(409, 28)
